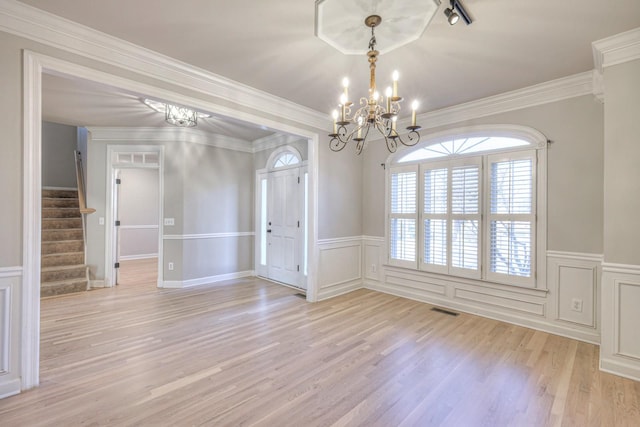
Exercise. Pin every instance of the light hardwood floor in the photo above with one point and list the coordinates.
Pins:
(248, 352)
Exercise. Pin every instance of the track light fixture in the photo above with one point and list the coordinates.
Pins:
(452, 17)
(457, 11)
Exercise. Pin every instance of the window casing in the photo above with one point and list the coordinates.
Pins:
(476, 214)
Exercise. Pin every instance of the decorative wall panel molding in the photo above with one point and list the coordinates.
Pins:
(10, 376)
(339, 266)
(620, 349)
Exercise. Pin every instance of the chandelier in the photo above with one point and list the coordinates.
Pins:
(375, 111)
(181, 116)
(175, 114)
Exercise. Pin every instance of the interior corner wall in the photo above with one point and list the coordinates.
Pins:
(621, 169)
(620, 350)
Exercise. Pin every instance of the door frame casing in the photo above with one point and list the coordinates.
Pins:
(113, 166)
(303, 168)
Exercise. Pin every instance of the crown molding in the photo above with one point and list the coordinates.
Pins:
(150, 134)
(29, 22)
(543, 93)
(32, 23)
(618, 49)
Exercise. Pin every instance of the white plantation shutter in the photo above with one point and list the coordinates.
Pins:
(511, 222)
(465, 219)
(468, 216)
(403, 217)
(435, 218)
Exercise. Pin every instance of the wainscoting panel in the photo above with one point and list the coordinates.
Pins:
(497, 299)
(340, 266)
(574, 285)
(620, 349)
(10, 282)
(571, 278)
(372, 247)
(628, 319)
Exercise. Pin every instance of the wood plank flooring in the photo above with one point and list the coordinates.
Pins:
(249, 352)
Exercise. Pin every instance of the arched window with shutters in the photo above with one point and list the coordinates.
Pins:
(471, 203)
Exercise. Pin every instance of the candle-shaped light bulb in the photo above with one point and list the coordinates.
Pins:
(334, 114)
(345, 85)
(359, 127)
(414, 108)
(395, 76)
(388, 94)
(376, 95)
(343, 106)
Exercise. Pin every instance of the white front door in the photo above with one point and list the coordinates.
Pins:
(283, 226)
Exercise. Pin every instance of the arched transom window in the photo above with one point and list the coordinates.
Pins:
(286, 159)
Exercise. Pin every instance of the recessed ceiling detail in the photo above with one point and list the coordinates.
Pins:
(340, 23)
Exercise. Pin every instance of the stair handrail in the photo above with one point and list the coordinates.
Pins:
(82, 198)
(84, 210)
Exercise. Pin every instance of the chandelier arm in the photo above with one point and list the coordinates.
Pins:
(339, 139)
(391, 143)
(413, 137)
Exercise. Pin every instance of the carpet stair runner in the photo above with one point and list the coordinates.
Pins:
(63, 268)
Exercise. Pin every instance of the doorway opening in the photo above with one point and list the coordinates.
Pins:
(134, 243)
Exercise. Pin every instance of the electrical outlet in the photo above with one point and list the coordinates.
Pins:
(101, 220)
(576, 304)
(170, 266)
(169, 221)
(374, 268)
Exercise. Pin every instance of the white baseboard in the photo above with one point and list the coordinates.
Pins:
(97, 284)
(134, 257)
(10, 388)
(340, 289)
(179, 284)
(619, 368)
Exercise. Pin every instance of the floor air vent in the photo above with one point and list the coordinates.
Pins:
(442, 310)
(299, 295)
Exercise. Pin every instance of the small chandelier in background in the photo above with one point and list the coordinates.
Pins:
(175, 114)
(181, 116)
(373, 112)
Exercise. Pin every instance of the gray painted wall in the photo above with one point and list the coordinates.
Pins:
(58, 162)
(622, 171)
(138, 206)
(574, 175)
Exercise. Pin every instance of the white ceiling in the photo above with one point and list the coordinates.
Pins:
(270, 45)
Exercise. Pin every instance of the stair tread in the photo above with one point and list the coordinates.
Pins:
(63, 253)
(61, 268)
(61, 229)
(63, 241)
(62, 282)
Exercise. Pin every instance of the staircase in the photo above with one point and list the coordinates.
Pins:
(63, 266)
